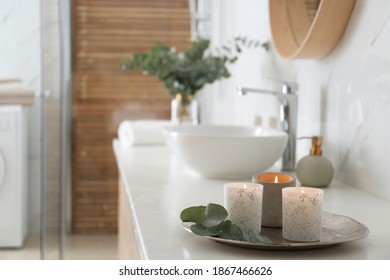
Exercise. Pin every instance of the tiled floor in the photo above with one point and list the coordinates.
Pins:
(82, 247)
(77, 247)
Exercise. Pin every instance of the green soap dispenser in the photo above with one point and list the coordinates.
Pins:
(315, 170)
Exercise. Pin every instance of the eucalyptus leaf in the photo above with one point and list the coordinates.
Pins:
(214, 215)
(266, 45)
(209, 231)
(256, 237)
(202, 230)
(193, 214)
(232, 232)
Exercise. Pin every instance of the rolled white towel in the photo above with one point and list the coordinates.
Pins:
(13, 91)
(142, 132)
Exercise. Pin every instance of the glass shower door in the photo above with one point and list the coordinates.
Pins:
(54, 137)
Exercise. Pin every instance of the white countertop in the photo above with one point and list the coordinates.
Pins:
(159, 188)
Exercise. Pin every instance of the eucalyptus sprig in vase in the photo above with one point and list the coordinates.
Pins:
(185, 73)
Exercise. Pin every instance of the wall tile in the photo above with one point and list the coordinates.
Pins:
(344, 97)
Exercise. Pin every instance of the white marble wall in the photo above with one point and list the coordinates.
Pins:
(344, 97)
(20, 58)
(19, 43)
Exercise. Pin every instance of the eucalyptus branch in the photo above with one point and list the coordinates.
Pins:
(211, 220)
(187, 72)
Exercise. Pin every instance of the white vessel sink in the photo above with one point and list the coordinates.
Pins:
(226, 152)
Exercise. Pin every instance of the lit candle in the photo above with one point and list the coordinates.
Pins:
(272, 196)
(243, 201)
(302, 213)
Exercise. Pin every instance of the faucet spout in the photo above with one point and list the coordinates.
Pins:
(288, 118)
(244, 90)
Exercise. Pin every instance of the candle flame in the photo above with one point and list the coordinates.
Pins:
(244, 186)
(276, 179)
(302, 190)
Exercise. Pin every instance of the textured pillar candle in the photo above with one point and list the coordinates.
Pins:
(272, 196)
(302, 213)
(243, 201)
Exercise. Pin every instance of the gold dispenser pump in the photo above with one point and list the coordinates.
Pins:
(316, 142)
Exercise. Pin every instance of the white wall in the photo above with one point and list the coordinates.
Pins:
(20, 58)
(344, 97)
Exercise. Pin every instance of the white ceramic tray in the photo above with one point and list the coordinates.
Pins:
(336, 229)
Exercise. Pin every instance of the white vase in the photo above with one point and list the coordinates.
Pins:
(184, 110)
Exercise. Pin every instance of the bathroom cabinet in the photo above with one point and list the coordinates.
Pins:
(126, 235)
(154, 188)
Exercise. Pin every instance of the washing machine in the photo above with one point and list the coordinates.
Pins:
(13, 175)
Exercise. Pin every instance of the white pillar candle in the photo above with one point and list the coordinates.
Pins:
(243, 201)
(302, 213)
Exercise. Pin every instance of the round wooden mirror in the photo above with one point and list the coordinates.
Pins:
(308, 28)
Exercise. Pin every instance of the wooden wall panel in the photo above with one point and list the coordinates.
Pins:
(104, 33)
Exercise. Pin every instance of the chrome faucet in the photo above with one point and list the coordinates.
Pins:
(288, 118)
